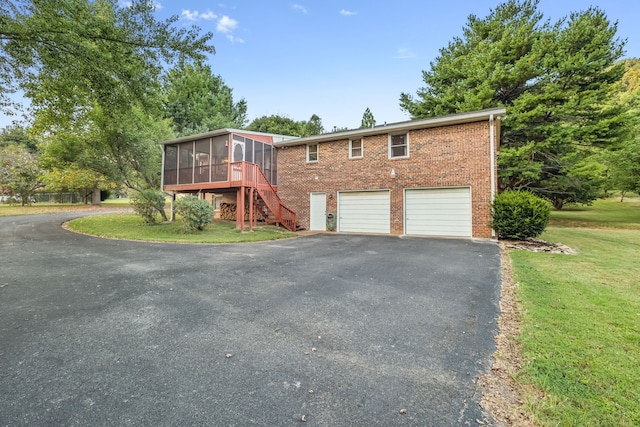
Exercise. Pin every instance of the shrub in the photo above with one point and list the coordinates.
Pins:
(519, 214)
(195, 213)
(147, 204)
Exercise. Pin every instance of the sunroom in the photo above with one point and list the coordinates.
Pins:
(228, 162)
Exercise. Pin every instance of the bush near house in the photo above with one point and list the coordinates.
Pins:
(195, 213)
(519, 214)
(147, 204)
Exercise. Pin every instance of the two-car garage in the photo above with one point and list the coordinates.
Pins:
(427, 211)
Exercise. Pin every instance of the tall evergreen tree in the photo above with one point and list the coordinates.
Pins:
(368, 121)
(198, 101)
(556, 81)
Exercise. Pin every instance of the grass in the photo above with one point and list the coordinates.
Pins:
(608, 213)
(130, 226)
(581, 318)
(42, 208)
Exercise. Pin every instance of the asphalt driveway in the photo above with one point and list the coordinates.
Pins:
(339, 330)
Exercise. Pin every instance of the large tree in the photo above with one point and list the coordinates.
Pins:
(623, 161)
(92, 72)
(198, 100)
(286, 126)
(69, 54)
(556, 80)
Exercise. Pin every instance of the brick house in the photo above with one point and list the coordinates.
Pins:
(432, 177)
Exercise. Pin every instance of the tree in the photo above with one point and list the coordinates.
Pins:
(17, 135)
(557, 82)
(20, 174)
(74, 179)
(368, 121)
(198, 101)
(286, 126)
(68, 54)
(623, 160)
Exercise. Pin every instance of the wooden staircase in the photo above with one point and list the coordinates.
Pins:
(251, 176)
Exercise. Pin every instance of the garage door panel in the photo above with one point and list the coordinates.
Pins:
(438, 212)
(364, 212)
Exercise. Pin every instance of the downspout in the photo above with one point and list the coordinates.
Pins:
(492, 144)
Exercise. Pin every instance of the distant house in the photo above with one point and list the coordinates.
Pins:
(430, 177)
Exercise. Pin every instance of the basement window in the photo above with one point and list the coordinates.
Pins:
(398, 146)
(312, 153)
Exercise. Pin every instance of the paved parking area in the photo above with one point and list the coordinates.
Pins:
(341, 329)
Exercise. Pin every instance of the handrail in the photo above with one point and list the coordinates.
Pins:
(250, 175)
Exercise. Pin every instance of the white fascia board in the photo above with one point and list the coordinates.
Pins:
(451, 119)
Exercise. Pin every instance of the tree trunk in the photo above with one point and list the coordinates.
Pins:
(95, 198)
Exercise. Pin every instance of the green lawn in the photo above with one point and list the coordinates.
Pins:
(130, 226)
(581, 318)
(42, 208)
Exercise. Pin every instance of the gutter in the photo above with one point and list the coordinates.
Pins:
(448, 120)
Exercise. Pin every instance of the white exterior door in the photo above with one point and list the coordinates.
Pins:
(438, 212)
(317, 211)
(364, 212)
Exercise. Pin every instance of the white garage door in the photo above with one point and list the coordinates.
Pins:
(438, 212)
(364, 212)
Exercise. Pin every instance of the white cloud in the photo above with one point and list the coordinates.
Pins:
(208, 15)
(233, 39)
(299, 8)
(157, 5)
(226, 24)
(345, 12)
(405, 53)
(196, 16)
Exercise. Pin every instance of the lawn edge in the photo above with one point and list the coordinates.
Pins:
(502, 395)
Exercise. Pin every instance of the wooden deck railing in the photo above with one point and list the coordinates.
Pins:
(243, 174)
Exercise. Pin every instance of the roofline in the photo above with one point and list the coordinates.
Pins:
(223, 131)
(451, 119)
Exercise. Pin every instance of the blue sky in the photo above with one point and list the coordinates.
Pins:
(336, 58)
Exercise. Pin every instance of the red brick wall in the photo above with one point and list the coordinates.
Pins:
(449, 156)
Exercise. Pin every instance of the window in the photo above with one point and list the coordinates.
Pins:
(398, 146)
(312, 153)
(355, 148)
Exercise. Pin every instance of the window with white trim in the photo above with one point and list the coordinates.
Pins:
(312, 153)
(399, 146)
(355, 148)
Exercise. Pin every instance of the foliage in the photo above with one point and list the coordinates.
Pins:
(198, 101)
(368, 121)
(121, 148)
(147, 204)
(579, 319)
(74, 179)
(68, 54)
(17, 135)
(196, 213)
(20, 173)
(519, 214)
(126, 226)
(286, 126)
(624, 160)
(557, 82)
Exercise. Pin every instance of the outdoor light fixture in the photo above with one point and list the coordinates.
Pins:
(393, 173)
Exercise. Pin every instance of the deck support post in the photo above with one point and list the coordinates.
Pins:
(251, 213)
(240, 209)
(172, 214)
